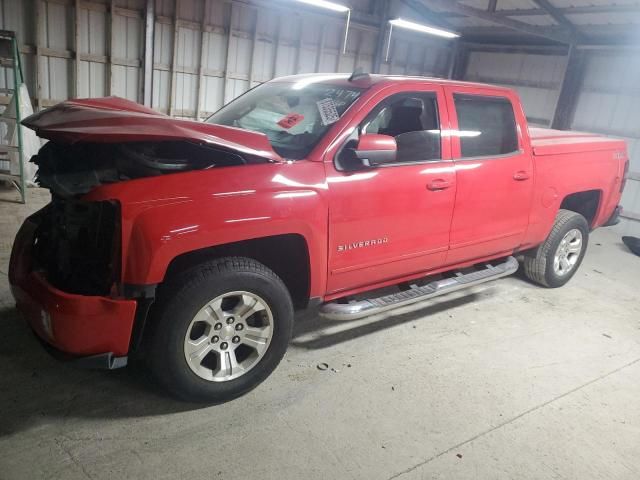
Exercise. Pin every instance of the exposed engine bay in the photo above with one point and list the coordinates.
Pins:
(76, 245)
(69, 170)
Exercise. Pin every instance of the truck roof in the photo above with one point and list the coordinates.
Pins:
(377, 79)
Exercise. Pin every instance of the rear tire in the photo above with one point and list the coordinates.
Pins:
(219, 329)
(556, 261)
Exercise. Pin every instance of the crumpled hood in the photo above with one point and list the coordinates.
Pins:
(116, 120)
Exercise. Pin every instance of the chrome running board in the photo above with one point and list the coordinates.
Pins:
(371, 306)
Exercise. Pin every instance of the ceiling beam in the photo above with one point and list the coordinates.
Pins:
(619, 33)
(429, 15)
(456, 7)
(584, 10)
(555, 13)
(560, 18)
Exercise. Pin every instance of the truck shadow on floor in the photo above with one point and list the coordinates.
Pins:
(37, 388)
(313, 332)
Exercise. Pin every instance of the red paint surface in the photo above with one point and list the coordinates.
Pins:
(434, 216)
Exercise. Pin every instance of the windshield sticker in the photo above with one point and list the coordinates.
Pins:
(290, 120)
(328, 111)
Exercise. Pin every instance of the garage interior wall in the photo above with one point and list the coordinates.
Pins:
(536, 76)
(205, 53)
(607, 100)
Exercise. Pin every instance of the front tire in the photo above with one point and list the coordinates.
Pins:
(219, 329)
(556, 261)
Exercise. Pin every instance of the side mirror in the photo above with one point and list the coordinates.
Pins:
(374, 149)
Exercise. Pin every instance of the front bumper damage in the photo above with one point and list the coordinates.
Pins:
(92, 331)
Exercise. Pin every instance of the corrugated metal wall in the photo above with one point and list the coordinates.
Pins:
(608, 100)
(537, 78)
(205, 53)
(609, 103)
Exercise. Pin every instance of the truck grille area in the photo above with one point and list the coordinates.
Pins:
(77, 246)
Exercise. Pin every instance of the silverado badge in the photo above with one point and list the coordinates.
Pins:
(362, 244)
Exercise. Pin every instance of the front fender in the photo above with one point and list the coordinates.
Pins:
(159, 235)
(165, 217)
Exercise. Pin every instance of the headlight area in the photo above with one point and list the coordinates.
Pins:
(64, 269)
(77, 246)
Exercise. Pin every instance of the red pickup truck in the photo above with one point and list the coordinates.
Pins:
(194, 243)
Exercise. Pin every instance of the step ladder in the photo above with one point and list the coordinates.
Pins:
(10, 61)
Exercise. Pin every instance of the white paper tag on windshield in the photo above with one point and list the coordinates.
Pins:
(328, 111)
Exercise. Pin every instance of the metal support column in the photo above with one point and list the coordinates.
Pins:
(570, 89)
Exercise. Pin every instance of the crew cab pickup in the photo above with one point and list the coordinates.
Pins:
(193, 243)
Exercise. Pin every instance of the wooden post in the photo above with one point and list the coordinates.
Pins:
(203, 52)
(276, 46)
(39, 69)
(356, 60)
(407, 64)
(254, 41)
(149, 26)
(109, 66)
(227, 56)
(174, 59)
(323, 33)
(76, 22)
(296, 65)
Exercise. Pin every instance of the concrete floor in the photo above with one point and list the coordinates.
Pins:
(510, 382)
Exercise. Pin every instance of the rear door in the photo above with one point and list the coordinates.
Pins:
(392, 221)
(494, 173)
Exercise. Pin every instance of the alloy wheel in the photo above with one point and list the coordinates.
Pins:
(228, 336)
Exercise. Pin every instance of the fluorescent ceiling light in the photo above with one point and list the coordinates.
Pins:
(399, 22)
(336, 7)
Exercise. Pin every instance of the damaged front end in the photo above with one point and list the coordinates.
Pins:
(76, 169)
(77, 242)
(66, 261)
(76, 246)
(96, 142)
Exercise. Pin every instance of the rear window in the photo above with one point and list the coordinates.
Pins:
(486, 125)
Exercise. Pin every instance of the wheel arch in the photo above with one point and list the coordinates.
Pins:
(286, 254)
(586, 203)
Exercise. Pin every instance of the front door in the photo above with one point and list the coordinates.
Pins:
(393, 221)
(494, 174)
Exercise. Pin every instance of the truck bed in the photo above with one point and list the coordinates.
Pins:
(546, 141)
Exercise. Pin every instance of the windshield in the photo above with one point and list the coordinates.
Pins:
(294, 116)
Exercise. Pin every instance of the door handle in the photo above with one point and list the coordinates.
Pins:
(438, 184)
(520, 176)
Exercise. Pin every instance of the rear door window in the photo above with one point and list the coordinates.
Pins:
(486, 126)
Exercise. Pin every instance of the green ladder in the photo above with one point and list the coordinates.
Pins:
(10, 59)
